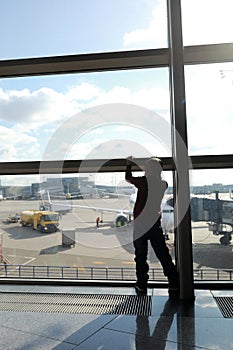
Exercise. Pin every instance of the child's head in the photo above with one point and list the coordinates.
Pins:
(153, 167)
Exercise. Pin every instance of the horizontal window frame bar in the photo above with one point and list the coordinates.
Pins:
(84, 63)
(206, 54)
(104, 165)
(110, 61)
(215, 285)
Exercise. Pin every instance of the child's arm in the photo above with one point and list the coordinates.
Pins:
(128, 171)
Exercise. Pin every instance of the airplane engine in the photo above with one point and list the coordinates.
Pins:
(121, 220)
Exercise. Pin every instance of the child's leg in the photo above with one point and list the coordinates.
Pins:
(162, 252)
(142, 267)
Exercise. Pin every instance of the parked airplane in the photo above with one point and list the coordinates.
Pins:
(217, 212)
(167, 210)
(61, 205)
(124, 216)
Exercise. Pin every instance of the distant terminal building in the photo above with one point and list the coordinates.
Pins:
(66, 185)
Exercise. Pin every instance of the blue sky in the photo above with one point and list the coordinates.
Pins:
(31, 109)
(55, 27)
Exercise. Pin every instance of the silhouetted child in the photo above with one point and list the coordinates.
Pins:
(147, 224)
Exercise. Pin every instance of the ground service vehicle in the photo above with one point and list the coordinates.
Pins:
(13, 218)
(44, 221)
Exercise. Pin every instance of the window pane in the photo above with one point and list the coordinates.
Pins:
(82, 247)
(36, 112)
(212, 222)
(209, 104)
(30, 28)
(207, 22)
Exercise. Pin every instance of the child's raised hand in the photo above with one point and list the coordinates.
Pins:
(129, 160)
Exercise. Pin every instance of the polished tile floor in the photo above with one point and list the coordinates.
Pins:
(172, 325)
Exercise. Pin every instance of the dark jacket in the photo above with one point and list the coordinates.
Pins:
(149, 195)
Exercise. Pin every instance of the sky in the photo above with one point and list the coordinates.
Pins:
(33, 109)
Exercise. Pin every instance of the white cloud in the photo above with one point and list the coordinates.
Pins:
(119, 141)
(204, 22)
(32, 109)
(118, 94)
(28, 115)
(82, 150)
(152, 98)
(17, 146)
(30, 118)
(153, 35)
(83, 92)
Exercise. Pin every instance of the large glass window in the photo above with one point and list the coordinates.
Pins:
(92, 240)
(36, 112)
(212, 223)
(92, 236)
(209, 90)
(99, 117)
(30, 28)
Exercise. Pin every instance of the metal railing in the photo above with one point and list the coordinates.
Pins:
(101, 273)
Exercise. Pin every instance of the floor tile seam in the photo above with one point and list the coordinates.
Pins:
(38, 335)
(208, 317)
(197, 317)
(191, 345)
(59, 340)
(157, 338)
(119, 331)
(131, 332)
(158, 317)
(164, 340)
(94, 333)
(194, 346)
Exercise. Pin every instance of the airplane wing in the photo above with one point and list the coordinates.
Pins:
(112, 194)
(123, 214)
(101, 209)
(66, 196)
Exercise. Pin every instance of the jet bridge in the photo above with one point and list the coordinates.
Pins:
(217, 212)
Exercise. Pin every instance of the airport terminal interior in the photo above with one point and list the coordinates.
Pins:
(84, 85)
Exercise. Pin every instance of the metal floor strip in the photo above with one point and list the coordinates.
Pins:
(76, 303)
(225, 305)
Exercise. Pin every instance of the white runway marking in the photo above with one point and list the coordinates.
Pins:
(24, 257)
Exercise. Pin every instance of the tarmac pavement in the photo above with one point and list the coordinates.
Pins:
(96, 246)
